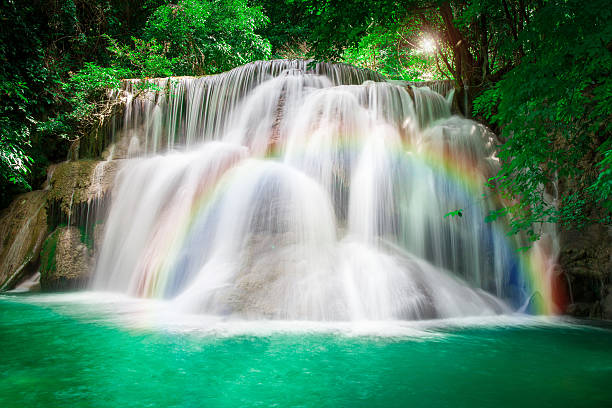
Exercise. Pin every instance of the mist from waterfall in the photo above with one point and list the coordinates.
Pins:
(288, 191)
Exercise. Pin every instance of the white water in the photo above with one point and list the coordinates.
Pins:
(161, 315)
(285, 194)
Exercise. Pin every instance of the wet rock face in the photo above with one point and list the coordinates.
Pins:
(79, 192)
(586, 260)
(70, 183)
(606, 303)
(76, 182)
(66, 261)
(23, 228)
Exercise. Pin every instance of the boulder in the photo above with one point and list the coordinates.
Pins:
(66, 261)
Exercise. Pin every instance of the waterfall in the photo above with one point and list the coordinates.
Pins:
(186, 111)
(292, 190)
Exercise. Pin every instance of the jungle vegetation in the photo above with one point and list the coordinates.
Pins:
(536, 71)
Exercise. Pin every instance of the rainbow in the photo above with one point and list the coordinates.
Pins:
(538, 287)
(537, 274)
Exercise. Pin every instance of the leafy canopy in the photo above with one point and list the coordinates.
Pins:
(555, 111)
(208, 37)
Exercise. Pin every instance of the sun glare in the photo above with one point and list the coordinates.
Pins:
(428, 45)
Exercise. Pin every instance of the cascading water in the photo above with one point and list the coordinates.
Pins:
(294, 192)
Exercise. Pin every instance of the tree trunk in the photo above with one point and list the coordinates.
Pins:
(467, 71)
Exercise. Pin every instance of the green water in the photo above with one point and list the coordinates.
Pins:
(65, 353)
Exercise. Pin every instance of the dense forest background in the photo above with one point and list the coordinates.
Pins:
(536, 71)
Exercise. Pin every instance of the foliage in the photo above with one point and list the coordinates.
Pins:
(470, 36)
(145, 59)
(327, 26)
(208, 37)
(41, 42)
(192, 37)
(59, 57)
(554, 109)
(544, 66)
(397, 52)
(456, 213)
(14, 161)
(86, 93)
(23, 80)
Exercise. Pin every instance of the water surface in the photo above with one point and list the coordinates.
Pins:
(91, 350)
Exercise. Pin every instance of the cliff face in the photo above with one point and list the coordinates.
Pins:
(23, 228)
(586, 260)
(78, 191)
(586, 251)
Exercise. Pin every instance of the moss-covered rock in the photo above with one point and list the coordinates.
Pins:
(23, 228)
(65, 260)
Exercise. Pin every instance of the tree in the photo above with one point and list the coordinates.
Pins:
(554, 110)
(208, 37)
(540, 70)
(398, 51)
(70, 50)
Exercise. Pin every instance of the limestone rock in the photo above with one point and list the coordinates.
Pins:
(580, 309)
(586, 260)
(606, 303)
(76, 193)
(66, 261)
(79, 193)
(23, 228)
(77, 182)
